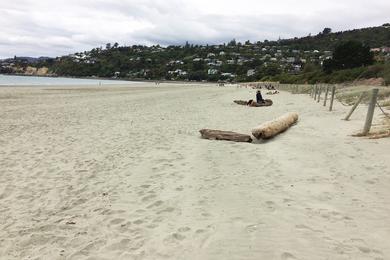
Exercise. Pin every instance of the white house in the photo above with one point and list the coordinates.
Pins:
(212, 71)
(228, 75)
(290, 59)
(250, 72)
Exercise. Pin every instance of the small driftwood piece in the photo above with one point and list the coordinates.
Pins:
(225, 135)
(271, 128)
(378, 136)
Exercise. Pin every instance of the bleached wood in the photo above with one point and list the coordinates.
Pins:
(272, 128)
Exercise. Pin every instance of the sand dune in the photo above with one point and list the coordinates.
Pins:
(122, 173)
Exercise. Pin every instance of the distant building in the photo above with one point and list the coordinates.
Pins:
(251, 72)
(290, 59)
(228, 75)
(212, 71)
(297, 67)
(386, 49)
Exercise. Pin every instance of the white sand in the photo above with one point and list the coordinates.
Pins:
(121, 173)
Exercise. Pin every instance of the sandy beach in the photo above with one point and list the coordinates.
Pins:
(118, 172)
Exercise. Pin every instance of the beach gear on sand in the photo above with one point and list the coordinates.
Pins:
(271, 128)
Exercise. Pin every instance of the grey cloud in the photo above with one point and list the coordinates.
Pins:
(54, 28)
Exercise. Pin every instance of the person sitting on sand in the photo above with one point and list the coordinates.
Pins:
(259, 97)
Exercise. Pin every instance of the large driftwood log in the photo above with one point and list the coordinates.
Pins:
(271, 128)
(267, 102)
(225, 135)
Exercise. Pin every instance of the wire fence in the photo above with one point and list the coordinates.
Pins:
(320, 92)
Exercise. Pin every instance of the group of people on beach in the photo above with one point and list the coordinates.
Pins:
(269, 87)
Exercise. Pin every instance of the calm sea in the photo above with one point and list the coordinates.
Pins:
(7, 80)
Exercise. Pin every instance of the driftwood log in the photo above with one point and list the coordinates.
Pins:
(267, 102)
(271, 128)
(225, 135)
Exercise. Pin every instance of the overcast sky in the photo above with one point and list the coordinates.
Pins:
(59, 27)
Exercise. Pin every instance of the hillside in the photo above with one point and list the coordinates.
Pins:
(287, 60)
(374, 37)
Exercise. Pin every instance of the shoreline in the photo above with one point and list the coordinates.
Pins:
(117, 79)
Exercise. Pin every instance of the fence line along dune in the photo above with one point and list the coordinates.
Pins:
(271, 128)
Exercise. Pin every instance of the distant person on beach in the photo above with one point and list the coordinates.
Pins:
(259, 97)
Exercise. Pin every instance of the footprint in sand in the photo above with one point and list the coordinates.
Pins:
(287, 256)
(175, 237)
(116, 221)
(270, 205)
(184, 229)
(148, 197)
(167, 210)
(155, 204)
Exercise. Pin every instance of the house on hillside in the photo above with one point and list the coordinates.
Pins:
(385, 49)
(226, 74)
(212, 71)
(251, 72)
(297, 67)
(290, 59)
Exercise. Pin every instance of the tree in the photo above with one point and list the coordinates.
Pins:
(347, 55)
(232, 43)
(326, 31)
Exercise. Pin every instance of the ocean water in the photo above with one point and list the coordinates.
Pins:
(8, 80)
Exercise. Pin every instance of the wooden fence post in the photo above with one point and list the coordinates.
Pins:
(319, 94)
(326, 95)
(370, 111)
(332, 98)
(315, 91)
(355, 106)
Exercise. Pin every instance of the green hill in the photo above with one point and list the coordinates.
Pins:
(297, 60)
